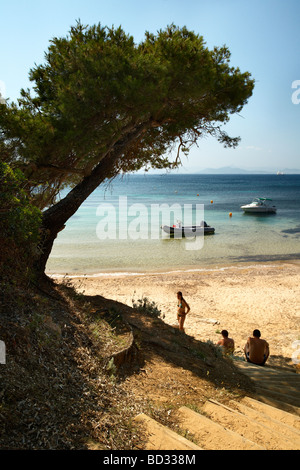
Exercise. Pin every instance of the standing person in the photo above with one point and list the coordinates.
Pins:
(256, 349)
(182, 310)
(226, 343)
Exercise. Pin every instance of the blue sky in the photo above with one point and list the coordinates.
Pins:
(262, 35)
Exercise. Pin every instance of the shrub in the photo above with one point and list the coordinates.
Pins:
(144, 305)
(19, 226)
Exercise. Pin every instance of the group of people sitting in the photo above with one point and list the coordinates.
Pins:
(256, 349)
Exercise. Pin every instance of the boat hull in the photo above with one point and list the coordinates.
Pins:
(192, 231)
(259, 210)
(260, 205)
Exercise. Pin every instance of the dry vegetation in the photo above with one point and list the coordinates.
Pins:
(79, 369)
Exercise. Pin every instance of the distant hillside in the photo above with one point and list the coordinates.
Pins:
(231, 170)
(225, 170)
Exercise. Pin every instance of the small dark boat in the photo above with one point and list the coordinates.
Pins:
(189, 230)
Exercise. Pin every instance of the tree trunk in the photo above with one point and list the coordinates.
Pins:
(56, 216)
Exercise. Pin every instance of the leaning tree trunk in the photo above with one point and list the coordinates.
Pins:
(55, 218)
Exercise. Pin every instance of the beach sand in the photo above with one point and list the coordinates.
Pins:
(238, 298)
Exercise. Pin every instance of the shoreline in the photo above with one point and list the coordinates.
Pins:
(239, 298)
(188, 269)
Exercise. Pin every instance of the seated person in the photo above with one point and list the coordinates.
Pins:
(256, 349)
(226, 343)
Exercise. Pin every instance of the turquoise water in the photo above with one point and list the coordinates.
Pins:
(126, 213)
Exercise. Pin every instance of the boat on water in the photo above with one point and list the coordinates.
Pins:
(180, 231)
(260, 205)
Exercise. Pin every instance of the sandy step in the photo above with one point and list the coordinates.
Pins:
(259, 433)
(272, 377)
(281, 396)
(278, 384)
(284, 386)
(294, 384)
(267, 367)
(210, 435)
(286, 430)
(273, 412)
(292, 387)
(160, 437)
(247, 367)
(280, 388)
(281, 405)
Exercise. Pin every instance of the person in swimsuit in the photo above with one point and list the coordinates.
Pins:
(182, 310)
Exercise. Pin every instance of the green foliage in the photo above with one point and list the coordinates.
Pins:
(97, 86)
(19, 223)
(147, 307)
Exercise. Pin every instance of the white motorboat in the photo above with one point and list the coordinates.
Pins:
(260, 205)
(180, 231)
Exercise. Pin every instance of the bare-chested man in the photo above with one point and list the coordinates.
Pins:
(226, 343)
(257, 349)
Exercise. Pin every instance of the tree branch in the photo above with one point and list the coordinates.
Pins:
(57, 169)
(58, 214)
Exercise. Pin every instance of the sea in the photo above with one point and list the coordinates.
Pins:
(117, 230)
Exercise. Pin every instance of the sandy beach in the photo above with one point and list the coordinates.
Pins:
(238, 298)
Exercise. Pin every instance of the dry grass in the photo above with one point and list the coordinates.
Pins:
(65, 385)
